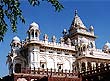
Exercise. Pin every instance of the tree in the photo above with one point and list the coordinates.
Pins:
(10, 9)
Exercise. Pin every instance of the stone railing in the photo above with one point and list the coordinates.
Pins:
(49, 72)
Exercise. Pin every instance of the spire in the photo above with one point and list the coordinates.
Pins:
(76, 12)
(77, 21)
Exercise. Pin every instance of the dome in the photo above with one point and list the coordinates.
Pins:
(91, 28)
(107, 44)
(16, 39)
(34, 26)
(84, 40)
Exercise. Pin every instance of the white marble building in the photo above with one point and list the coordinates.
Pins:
(75, 51)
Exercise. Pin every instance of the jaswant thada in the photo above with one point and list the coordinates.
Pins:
(74, 53)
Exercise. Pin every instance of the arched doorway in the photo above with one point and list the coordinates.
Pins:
(17, 68)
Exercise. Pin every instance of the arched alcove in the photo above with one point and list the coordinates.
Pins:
(89, 66)
(17, 68)
(66, 65)
(91, 45)
(32, 33)
(43, 63)
(59, 63)
(83, 66)
(50, 63)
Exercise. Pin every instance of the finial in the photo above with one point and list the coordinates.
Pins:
(64, 32)
(76, 12)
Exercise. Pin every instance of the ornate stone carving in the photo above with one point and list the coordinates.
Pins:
(45, 37)
(61, 40)
(68, 41)
(53, 39)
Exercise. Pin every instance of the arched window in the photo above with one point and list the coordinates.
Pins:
(84, 48)
(32, 34)
(89, 66)
(83, 66)
(91, 45)
(59, 66)
(81, 49)
(75, 68)
(36, 35)
(43, 66)
(17, 68)
(78, 48)
(101, 65)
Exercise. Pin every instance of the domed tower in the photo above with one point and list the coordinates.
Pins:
(14, 59)
(15, 42)
(32, 46)
(34, 32)
(15, 45)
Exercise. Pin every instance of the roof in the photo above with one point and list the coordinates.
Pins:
(34, 26)
(78, 21)
(16, 39)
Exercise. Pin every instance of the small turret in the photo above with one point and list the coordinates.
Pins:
(15, 42)
(91, 30)
(64, 32)
(61, 40)
(45, 37)
(53, 39)
(34, 32)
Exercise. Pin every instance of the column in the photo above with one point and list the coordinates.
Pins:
(86, 65)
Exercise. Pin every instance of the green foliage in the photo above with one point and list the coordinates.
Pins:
(10, 9)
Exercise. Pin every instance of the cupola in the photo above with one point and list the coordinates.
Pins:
(15, 42)
(91, 30)
(33, 32)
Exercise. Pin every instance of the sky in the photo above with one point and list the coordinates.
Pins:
(92, 12)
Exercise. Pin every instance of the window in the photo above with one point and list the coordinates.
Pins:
(66, 54)
(33, 34)
(84, 48)
(42, 65)
(41, 50)
(89, 66)
(36, 35)
(59, 66)
(58, 52)
(91, 45)
(17, 68)
(73, 55)
(83, 66)
(50, 51)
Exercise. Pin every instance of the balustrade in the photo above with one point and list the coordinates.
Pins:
(49, 72)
